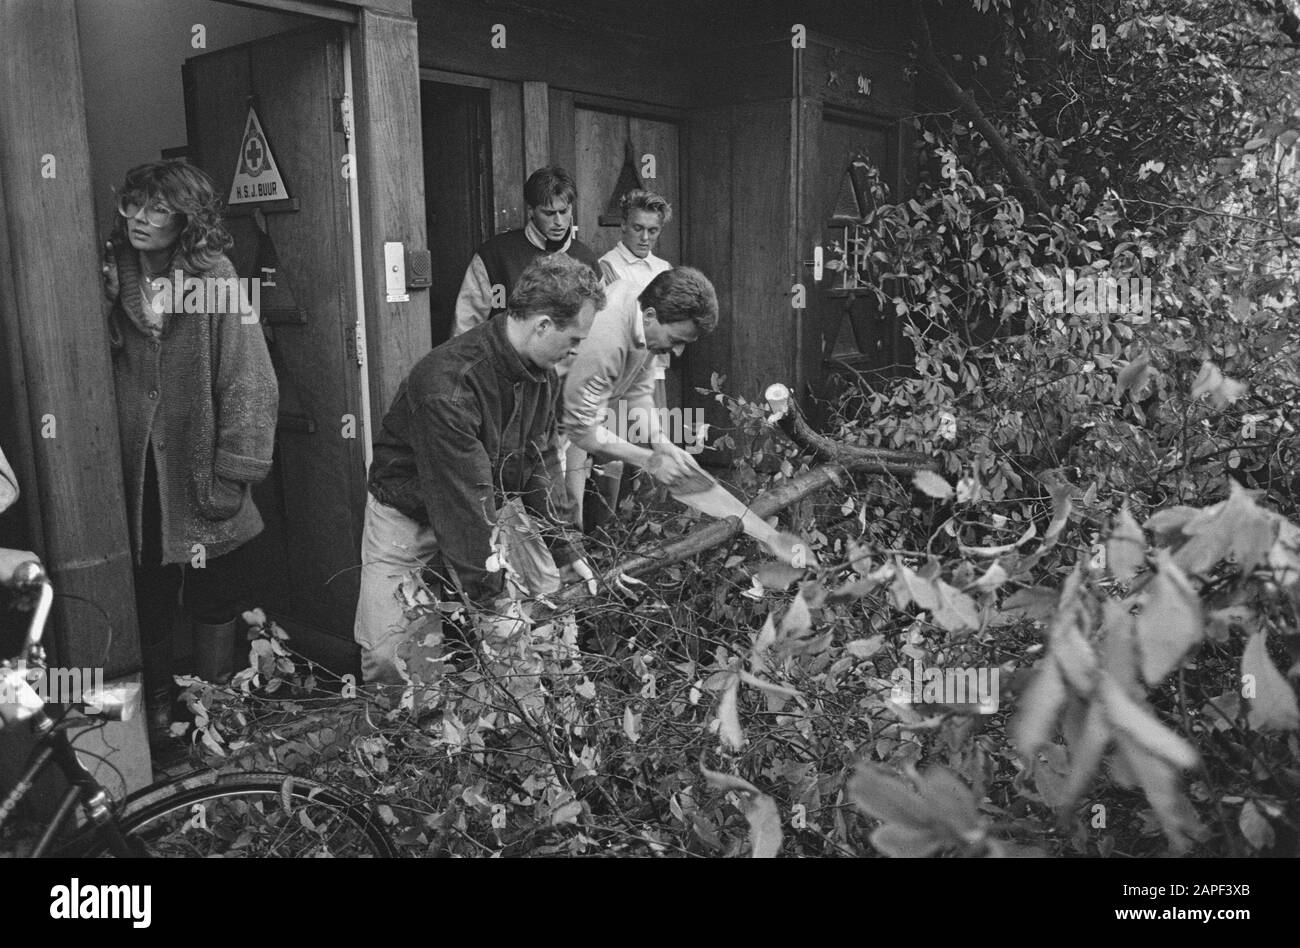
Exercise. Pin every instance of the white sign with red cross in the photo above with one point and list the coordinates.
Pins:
(257, 178)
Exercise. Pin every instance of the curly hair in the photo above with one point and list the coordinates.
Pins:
(556, 285)
(189, 191)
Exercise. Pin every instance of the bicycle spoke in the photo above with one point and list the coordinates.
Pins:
(255, 824)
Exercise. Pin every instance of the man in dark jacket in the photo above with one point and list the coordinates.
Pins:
(469, 443)
(550, 195)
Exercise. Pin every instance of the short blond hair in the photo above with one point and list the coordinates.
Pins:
(640, 200)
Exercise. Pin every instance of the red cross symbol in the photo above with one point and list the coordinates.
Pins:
(253, 154)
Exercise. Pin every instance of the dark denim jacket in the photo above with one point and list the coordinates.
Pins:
(470, 425)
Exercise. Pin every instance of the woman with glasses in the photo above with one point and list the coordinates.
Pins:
(196, 400)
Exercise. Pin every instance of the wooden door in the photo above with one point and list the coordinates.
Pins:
(457, 135)
(313, 500)
(855, 336)
(601, 140)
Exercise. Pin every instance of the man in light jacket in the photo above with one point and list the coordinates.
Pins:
(617, 362)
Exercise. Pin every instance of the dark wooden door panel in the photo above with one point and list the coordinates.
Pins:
(855, 335)
(457, 138)
(660, 139)
(600, 150)
(600, 145)
(599, 142)
(314, 499)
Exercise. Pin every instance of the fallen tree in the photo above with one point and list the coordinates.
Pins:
(841, 462)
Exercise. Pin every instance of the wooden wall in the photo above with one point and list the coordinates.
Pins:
(508, 172)
(749, 116)
(600, 136)
(756, 182)
(387, 77)
(562, 51)
(56, 340)
(709, 246)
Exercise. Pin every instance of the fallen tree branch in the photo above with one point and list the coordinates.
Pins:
(842, 461)
(855, 458)
(717, 532)
(1004, 151)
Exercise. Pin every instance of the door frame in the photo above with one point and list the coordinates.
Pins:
(343, 11)
(808, 115)
(506, 139)
(73, 501)
(382, 44)
(486, 190)
(381, 68)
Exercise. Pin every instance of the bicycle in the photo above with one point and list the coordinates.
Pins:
(205, 814)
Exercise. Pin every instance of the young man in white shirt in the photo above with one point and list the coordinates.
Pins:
(645, 215)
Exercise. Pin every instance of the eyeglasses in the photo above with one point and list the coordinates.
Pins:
(156, 213)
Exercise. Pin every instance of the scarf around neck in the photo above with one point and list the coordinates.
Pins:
(137, 295)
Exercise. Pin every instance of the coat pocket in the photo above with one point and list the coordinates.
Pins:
(224, 498)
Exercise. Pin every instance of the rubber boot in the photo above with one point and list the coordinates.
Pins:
(214, 651)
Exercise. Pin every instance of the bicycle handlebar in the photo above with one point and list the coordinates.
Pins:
(27, 578)
(19, 701)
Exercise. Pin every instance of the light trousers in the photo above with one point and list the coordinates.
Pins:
(394, 552)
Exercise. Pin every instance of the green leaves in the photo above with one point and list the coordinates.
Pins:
(1236, 528)
(1170, 623)
(729, 729)
(934, 812)
(1255, 826)
(1272, 702)
(760, 811)
(1221, 390)
(1134, 376)
(1134, 721)
(1126, 548)
(1035, 720)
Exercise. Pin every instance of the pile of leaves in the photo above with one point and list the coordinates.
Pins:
(1140, 707)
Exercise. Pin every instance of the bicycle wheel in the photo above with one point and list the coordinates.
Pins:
(244, 815)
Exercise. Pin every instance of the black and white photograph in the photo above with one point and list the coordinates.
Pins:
(657, 430)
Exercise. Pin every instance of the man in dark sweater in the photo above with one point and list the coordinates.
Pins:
(550, 195)
(469, 443)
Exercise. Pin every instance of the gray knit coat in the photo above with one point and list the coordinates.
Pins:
(205, 396)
